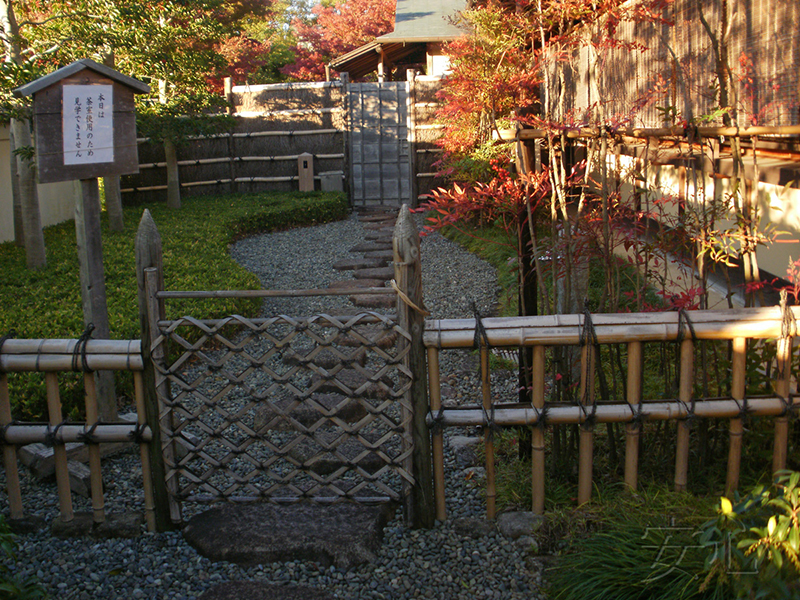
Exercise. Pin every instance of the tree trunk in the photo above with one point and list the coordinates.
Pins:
(19, 232)
(29, 199)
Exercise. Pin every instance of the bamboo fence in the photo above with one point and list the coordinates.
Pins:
(51, 356)
(686, 329)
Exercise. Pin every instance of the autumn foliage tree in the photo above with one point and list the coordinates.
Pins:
(337, 29)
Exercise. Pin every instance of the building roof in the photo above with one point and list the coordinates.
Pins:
(87, 63)
(416, 22)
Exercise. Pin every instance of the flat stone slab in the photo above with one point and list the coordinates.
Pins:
(355, 380)
(122, 525)
(308, 412)
(349, 264)
(384, 226)
(378, 236)
(258, 590)
(374, 300)
(340, 534)
(383, 273)
(371, 246)
(356, 283)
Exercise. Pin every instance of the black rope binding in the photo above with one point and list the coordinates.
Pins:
(438, 418)
(589, 336)
(481, 339)
(137, 435)
(11, 333)
(80, 350)
(88, 437)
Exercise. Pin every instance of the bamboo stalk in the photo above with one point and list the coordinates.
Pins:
(685, 388)
(586, 435)
(486, 393)
(437, 435)
(633, 430)
(506, 416)
(10, 453)
(59, 452)
(95, 468)
(144, 453)
(537, 434)
(67, 346)
(228, 159)
(738, 374)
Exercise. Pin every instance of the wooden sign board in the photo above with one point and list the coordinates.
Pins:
(85, 122)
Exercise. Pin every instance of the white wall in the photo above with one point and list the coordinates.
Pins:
(56, 200)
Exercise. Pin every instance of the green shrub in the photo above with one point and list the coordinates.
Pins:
(47, 303)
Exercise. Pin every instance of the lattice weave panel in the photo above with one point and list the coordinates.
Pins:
(285, 408)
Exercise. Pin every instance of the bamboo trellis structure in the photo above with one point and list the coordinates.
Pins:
(51, 356)
(634, 329)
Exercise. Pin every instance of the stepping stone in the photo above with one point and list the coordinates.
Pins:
(378, 218)
(378, 236)
(374, 300)
(384, 254)
(387, 226)
(370, 246)
(356, 381)
(116, 525)
(380, 337)
(350, 264)
(309, 412)
(326, 358)
(341, 534)
(325, 463)
(345, 284)
(258, 590)
(384, 273)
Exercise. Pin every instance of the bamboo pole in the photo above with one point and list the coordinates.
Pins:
(215, 161)
(488, 433)
(610, 328)
(62, 362)
(783, 357)
(633, 430)
(165, 295)
(59, 452)
(37, 433)
(68, 346)
(685, 389)
(508, 415)
(537, 433)
(10, 453)
(144, 452)
(586, 435)
(649, 132)
(738, 374)
(437, 435)
(95, 468)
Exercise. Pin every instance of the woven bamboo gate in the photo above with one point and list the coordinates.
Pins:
(740, 327)
(282, 408)
(52, 356)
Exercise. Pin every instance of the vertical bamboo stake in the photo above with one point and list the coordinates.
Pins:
(738, 373)
(685, 395)
(437, 437)
(783, 387)
(408, 272)
(10, 454)
(95, 469)
(537, 433)
(486, 393)
(633, 430)
(144, 451)
(59, 452)
(586, 439)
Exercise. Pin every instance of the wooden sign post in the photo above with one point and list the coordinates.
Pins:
(85, 123)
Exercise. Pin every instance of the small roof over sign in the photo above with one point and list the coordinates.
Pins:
(31, 88)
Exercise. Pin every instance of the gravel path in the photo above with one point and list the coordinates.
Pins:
(446, 562)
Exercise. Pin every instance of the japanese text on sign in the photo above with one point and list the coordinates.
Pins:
(88, 124)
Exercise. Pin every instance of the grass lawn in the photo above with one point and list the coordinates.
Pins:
(47, 303)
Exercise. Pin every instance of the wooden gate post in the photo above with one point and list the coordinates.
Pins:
(408, 275)
(149, 256)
